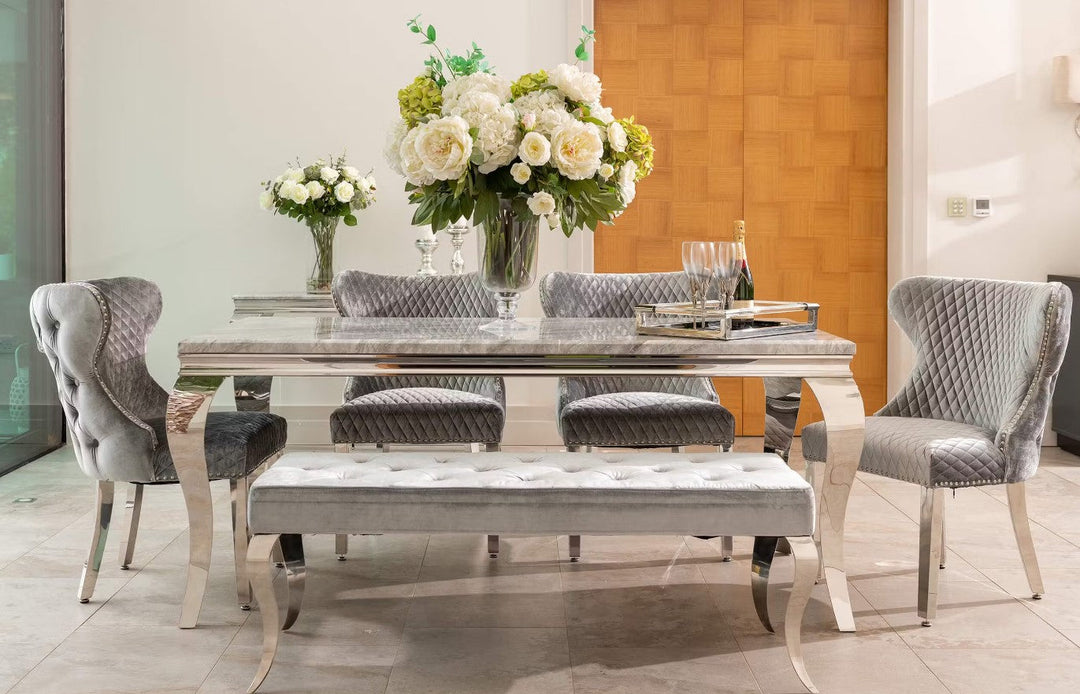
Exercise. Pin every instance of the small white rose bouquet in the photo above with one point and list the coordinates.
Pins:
(472, 145)
(320, 195)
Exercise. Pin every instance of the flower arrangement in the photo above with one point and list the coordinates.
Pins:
(320, 195)
(469, 141)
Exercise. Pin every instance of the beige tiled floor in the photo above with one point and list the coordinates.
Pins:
(412, 614)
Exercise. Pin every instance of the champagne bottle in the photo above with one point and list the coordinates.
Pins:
(744, 292)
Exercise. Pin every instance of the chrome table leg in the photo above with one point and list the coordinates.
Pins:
(105, 492)
(132, 512)
(806, 570)
(185, 424)
(260, 571)
(845, 422)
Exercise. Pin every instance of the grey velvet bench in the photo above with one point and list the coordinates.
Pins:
(745, 494)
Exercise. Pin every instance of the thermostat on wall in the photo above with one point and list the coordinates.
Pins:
(980, 206)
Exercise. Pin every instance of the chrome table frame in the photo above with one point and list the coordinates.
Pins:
(828, 376)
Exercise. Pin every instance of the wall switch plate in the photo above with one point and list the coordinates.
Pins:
(980, 206)
(957, 207)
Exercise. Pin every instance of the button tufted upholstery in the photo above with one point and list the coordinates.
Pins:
(543, 493)
(631, 411)
(973, 408)
(94, 337)
(417, 409)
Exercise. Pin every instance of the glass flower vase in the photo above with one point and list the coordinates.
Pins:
(507, 263)
(322, 273)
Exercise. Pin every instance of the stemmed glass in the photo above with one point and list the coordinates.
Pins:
(699, 263)
(727, 272)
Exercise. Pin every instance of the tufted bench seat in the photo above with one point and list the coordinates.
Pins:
(744, 494)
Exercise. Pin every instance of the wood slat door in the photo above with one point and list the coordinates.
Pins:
(772, 111)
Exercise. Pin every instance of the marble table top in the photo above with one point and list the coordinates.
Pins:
(326, 335)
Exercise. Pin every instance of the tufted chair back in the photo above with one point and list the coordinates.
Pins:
(367, 295)
(614, 295)
(987, 354)
(94, 336)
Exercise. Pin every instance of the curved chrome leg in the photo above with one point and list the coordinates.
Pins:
(806, 570)
(185, 424)
(815, 475)
(132, 512)
(727, 548)
(292, 548)
(262, 584)
(238, 492)
(929, 552)
(1022, 530)
(764, 550)
(845, 421)
(105, 491)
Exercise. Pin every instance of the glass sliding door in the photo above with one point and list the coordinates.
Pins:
(31, 219)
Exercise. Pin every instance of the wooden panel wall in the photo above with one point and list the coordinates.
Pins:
(773, 111)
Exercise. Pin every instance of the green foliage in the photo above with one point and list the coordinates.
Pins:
(587, 35)
(530, 82)
(639, 147)
(457, 65)
(421, 97)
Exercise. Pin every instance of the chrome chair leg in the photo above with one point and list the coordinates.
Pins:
(492, 540)
(573, 449)
(1022, 530)
(292, 549)
(764, 551)
(238, 490)
(132, 512)
(929, 552)
(941, 565)
(105, 491)
(259, 570)
(575, 548)
(806, 570)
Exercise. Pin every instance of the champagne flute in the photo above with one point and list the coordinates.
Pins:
(727, 272)
(699, 260)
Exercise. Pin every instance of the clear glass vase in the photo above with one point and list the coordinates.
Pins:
(322, 273)
(507, 263)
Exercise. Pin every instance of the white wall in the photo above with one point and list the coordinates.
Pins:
(176, 111)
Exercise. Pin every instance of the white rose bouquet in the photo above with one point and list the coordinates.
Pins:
(320, 195)
(470, 142)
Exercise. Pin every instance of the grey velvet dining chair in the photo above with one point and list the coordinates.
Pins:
(973, 408)
(94, 336)
(417, 410)
(628, 411)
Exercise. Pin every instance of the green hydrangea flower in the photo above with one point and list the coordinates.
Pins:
(639, 146)
(531, 82)
(419, 98)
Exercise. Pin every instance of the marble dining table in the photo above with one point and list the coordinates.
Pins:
(323, 345)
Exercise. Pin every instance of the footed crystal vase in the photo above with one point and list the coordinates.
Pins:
(507, 263)
(322, 273)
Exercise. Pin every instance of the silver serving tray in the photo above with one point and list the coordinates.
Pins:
(714, 323)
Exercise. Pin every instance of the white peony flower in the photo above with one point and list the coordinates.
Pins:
(541, 203)
(266, 200)
(315, 190)
(606, 171)
(344, 191)
(392, 149)
(549, 121)
(601, 113)
(329, 175)
(528, 121)
(535, 149)
(537, 103)
(627, 185)
(350, 172)
(294, 175)
(497, 137)
(475, 106)
(294, 191)
(412, 166)
(575, 84)
(616, 135)
(476, 82)
(576, 149)
(521, 172)
(444, 146)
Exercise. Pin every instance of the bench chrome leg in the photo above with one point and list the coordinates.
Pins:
(292, 549)
(238, 490)
(1022, 530)
(806, 571)
(262, 583)
(764, 550)
(727, 548)
(341, 546)
(575, 548)
(493, 546)
(105, 491)
(132, 511)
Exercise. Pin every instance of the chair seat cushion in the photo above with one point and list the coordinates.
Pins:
(636, 419)
(930, 452)
(532, 493)
(236, 444)
(418, 416)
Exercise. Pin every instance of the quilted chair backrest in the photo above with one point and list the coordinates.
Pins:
(94, 336)
(614, 295)
(363, 294)
(987, 354)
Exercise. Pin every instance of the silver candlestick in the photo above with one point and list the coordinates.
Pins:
(427, 247)
(457, 232)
